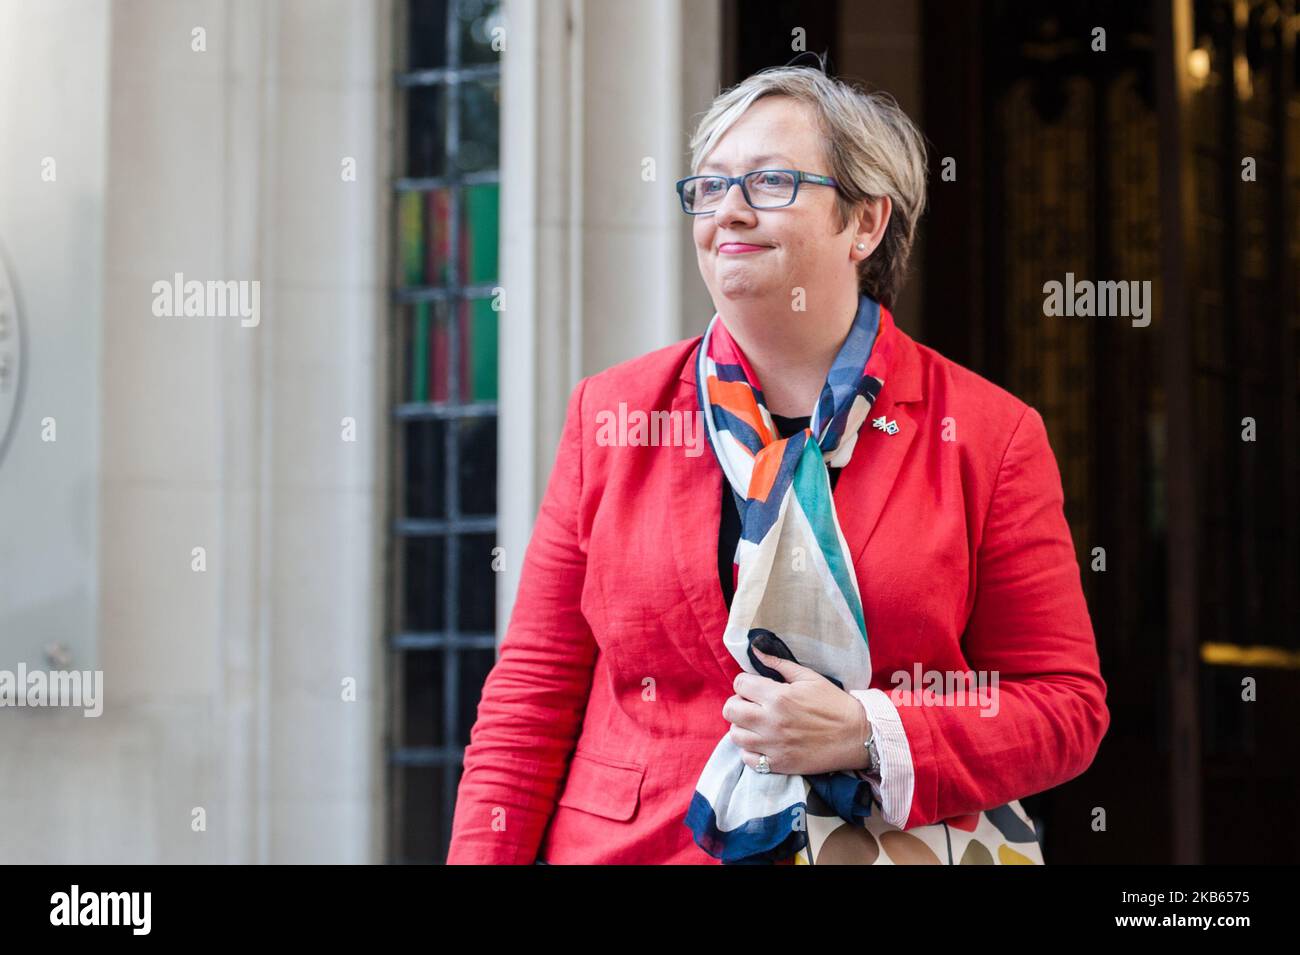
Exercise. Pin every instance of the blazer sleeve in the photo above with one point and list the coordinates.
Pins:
(1030, 625)
(535, 696)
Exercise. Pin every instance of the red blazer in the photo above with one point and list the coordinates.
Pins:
(606, 699)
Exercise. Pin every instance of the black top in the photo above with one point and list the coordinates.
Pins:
(729, 528)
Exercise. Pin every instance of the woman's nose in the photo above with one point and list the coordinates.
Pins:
(733, 206)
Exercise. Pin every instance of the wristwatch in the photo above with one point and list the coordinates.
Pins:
(873, 754)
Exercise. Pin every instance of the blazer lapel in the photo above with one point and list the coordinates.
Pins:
(695, 520)
(869, 477)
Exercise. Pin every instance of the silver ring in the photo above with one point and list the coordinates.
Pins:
(763, 766)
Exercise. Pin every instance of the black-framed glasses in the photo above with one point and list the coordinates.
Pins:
(762, 189)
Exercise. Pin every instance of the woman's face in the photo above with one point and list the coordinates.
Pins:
(798, 245)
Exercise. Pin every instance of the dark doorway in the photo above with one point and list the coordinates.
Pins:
(1126, 163)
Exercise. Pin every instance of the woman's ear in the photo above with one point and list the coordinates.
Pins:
(872, 222)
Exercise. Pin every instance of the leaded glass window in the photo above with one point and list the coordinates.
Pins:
(441, 607)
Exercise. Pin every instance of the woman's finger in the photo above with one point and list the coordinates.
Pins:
(751, 760)
(747, 740)
(743, 712)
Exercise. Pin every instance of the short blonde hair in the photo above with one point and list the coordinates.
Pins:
(873, 149)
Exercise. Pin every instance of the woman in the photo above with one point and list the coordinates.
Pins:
(756, 653)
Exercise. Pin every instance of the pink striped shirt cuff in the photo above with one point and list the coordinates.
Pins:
(897, 777)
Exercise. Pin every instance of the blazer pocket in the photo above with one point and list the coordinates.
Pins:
(603, 786)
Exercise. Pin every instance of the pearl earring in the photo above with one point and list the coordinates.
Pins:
(861, 246)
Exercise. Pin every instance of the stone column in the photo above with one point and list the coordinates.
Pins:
(229, 124)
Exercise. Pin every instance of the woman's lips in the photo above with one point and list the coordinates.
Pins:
(736, 248)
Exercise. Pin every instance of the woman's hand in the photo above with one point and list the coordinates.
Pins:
(804, 726)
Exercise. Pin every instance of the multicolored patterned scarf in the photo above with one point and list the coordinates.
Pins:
(796, 589)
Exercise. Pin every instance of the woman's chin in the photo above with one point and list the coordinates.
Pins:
(743, 284)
